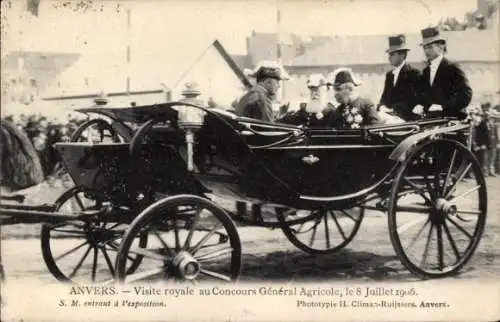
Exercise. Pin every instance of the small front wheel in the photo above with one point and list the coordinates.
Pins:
(190, 240)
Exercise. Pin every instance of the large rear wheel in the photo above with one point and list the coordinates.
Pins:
(437, 216)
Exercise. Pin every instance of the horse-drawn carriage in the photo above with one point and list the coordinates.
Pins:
(156, 194)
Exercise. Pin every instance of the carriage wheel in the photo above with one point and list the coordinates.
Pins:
(98, 130)
(322, 231)
(436, 217)
(83, 251)
(191, 239)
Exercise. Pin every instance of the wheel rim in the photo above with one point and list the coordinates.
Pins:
(190, 240)
(321, 231)
(97, 131)
(436, 214)
(84, 251)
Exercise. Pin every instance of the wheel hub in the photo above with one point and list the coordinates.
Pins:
(445, 207)
(185, 265)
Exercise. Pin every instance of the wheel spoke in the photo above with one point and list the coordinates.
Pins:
(452, 162)
(147, 253)
(415, 209)
(108, 261)
(115, 247)
(79, 264)
(452, 241)
(419, 190)
(469, 212)
(348, 215)
(315, 229)
(459, 178)
(214, 254)
(215, 275)
(76, 232)
(205, 238)
(437, 174)
(94, 267)
(440, 246)
(460, 227)
(187, 244)
(412, 223)
(338, 226)
(79, 202)
(143, 275)
(163, 243)
(466, 193)
(432, 193)
(176, 233)
(414, 239)
(327, 231)
(70, 251)
(426, 250)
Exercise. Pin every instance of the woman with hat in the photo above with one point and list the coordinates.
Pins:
(309, 112)
(258, 102)
(353, 111)
(445, 88)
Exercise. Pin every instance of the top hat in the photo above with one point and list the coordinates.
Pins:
(341, 76)
(397, 43)
(269, 69)
(315, 80)
(431, 35)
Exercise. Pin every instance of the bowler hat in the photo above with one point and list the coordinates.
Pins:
(341, 76)
(397, 43)
(431, 35)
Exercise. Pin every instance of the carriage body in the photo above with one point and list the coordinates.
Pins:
(161, 178)
(250, 160)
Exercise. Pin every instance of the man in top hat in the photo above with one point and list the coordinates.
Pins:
(353, 111)
(445, 88)
(310, 111)
(402, 84)
(257, 103)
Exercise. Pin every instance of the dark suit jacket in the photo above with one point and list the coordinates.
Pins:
(256, 104)
(402, 97)
(335, 117)
(450, 89)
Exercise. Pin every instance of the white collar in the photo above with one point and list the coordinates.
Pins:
(398, 68)
(436, 61)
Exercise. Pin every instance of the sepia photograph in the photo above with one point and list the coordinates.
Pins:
(281, 160)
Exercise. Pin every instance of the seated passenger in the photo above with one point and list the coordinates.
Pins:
(353, 111)
(258, 102)
(309, 112)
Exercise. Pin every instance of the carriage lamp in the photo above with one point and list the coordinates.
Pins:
(190, 118)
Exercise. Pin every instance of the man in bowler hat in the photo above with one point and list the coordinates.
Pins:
(353, 111)
(257, 103)
(402, 84)
(445, 88)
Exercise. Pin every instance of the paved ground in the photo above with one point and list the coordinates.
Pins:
(267, 254)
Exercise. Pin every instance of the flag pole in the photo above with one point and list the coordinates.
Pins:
(128, 50)
(278, 43)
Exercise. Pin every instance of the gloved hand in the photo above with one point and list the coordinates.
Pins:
(435, 108)
(418, 109)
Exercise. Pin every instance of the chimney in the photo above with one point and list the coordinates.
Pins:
(482, 7)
